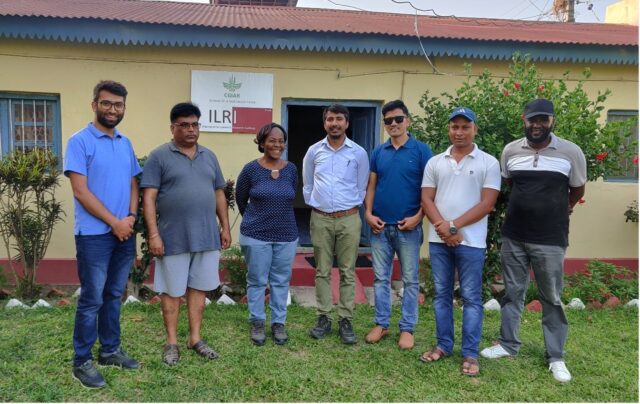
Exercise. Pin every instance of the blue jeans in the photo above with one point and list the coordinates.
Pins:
(268, 261)
(103, 268)
(383, 247)
(469, 262)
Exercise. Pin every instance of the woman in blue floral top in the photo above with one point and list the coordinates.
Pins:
(265, 191)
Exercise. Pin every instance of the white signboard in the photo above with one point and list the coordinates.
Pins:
(232, 101)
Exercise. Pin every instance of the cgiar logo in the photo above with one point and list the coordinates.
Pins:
(232, 86)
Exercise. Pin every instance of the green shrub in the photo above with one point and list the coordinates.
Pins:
(532, 292)
(3, 278)
(631, 214)
(624, 289)
(140, 269)
(600, 281)
(427, 286)
(29, 211)
(232, 261)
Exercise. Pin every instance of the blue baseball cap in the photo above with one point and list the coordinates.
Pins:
(464, 112)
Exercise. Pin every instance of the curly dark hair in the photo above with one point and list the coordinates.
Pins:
(264, 132)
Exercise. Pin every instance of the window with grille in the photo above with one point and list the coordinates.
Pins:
(29, 121)
(629, 166)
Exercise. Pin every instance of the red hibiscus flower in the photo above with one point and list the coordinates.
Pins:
(505, 93)
(601, 156)
(540, 88)
(635, 160)
(516, 85)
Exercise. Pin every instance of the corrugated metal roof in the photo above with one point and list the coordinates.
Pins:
(324, 21)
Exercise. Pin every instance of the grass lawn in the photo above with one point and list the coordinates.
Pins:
(35, 361)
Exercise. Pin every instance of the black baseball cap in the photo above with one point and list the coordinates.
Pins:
(538, 107)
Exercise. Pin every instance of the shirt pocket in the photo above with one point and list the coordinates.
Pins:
(347, 170)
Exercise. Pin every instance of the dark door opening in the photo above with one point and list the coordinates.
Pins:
(303, 120)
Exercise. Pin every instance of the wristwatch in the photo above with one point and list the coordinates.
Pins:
(452, 228)
(133, 215)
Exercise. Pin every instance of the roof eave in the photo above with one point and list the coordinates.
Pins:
(141, 34)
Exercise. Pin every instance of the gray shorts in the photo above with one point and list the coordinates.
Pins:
(175, 273)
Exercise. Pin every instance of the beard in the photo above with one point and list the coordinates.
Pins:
(539, 138)
(335, 135)
(100, 116)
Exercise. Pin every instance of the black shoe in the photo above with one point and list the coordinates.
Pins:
(257, 332)
(88, 375)
(346, 332)
(279, 334)
(322, 328)
(118, 359)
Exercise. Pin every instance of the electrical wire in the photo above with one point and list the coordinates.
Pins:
(512, 8)
(346, 5)
(516, 15)
(424, 52)
(535, 5)
(476, 21)
(544, 7)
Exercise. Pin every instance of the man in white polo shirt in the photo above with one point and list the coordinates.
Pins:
(459, 190)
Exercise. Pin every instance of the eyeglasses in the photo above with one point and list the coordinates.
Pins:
(187, 125)
(397, 119)
(119, 106)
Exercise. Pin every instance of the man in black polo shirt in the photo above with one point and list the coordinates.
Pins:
(547, 176)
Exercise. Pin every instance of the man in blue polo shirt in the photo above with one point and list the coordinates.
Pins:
(102, 166)
(393, 211)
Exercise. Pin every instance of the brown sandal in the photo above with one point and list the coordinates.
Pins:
(430, 356)
(468, 364)
(204, 350)
(171, 354)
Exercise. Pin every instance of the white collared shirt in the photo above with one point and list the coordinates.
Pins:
(335, 180)
(459, 188)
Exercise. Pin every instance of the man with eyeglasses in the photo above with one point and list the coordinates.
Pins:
(183, 192)
(547, 176)
(102, 166)
(393, 211)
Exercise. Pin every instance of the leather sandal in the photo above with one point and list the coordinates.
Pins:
(468, 364)
(171, 354)
(204, 350)
(430, 356)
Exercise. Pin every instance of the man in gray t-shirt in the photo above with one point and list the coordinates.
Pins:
(183, 194)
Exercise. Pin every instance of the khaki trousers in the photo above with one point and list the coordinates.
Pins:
(339, 236)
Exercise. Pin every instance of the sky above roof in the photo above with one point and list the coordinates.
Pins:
(530, 10)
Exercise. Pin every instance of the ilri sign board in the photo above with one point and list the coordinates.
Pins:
(232, 101)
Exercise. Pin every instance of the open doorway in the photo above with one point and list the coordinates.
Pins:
(303, 121)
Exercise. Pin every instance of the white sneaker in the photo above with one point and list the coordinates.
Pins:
(560, 371)
(494, 352)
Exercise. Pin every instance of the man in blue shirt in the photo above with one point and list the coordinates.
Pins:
(394, 214)
(334, 173)
(102, 166)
